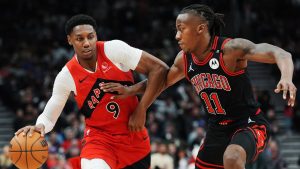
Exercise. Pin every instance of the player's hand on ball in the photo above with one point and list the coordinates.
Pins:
(287, 86)
(28, 130)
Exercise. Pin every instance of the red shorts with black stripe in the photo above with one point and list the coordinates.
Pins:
(252, 135)
(118, 151)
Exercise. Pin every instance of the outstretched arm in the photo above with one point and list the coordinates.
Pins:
(53, 109)
(244, 50)
(157, 81)
(156, 71)
(175, 73)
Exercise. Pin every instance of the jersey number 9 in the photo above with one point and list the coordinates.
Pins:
(113, 107)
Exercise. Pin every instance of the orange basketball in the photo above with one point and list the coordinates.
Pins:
(28, 152)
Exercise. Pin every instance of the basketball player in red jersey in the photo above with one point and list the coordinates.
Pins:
(108, 142)
(216, 67)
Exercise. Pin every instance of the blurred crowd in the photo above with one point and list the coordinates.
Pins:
(33, 50)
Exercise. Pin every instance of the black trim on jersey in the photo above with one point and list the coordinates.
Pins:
(85, 109)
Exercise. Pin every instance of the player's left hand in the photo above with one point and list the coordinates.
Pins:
(137, 119)
(287, 86)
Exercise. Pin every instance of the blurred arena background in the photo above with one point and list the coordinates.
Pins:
(33, 49)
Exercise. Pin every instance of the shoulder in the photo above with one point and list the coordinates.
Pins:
(119, 47)
(115, 43)
(238, 44)
(63, 75)
(179, 57)
(65, 79)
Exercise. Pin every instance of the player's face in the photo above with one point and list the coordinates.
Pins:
(189, 27)
(83, 38)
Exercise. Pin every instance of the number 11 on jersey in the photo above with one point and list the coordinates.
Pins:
(215, 100)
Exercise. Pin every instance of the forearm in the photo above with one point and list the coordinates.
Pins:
(285, 64)
(51, 112)
(267, 53)
(138, 88)
(155, 85)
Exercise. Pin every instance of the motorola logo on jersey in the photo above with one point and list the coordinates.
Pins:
(213, 81)
(214, 63)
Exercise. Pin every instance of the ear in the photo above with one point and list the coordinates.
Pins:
(69, 40)
(201, 28)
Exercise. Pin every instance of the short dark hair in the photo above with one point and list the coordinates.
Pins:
(80, 19)
(215, 20)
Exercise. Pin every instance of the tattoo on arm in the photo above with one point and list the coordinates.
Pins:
(242, 45)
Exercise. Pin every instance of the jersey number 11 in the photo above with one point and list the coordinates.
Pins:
(212, 98)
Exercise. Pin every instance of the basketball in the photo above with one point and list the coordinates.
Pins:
(28, 152)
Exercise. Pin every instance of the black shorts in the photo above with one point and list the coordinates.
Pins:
(252, 136)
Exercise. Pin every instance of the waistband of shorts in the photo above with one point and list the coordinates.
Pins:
(234, 122)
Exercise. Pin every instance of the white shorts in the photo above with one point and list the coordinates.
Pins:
(94, 163)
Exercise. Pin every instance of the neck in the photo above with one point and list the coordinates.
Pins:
(89, 64)
(204, 48)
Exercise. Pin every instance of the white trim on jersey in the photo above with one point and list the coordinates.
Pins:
(94, 163)
(120, 53)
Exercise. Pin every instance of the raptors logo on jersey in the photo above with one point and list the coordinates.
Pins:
(224, 96)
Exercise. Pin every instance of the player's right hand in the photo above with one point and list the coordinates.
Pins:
(30, 129)
(137, 119)
(287, 86)
(123, 91)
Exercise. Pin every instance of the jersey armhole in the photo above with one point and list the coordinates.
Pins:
(185, 66)
(228, 72)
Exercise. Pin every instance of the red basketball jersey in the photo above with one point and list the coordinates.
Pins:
(100, 111)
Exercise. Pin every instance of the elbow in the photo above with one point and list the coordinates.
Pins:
(285, 55)
(161, 69)
(288, 55)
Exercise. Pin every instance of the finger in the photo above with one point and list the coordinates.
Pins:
(19, 131)
(118, 96)
(278, 88)
(25, 131)
(292, 92)
(291, 102)
(139, 129)
(284, 94)
(134, 129)
(107, 85)
(294, 98)
(114, 97)
(41, 129)
(113, 89)
(31, 130)
(110, 88)
(130, 125)
(131, 129)
(291, 98)
(42, 133)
